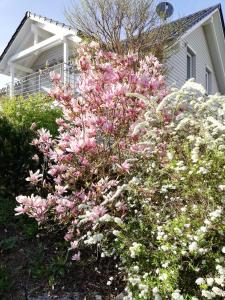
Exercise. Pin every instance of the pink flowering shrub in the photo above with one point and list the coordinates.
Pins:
(98, 143)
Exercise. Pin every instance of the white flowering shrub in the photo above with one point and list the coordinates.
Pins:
(171, 242)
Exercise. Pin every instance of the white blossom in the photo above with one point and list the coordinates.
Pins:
(208, 294)
(200, 281)
(163, 276)
(209, 281)
(177, 296)
(193, 247)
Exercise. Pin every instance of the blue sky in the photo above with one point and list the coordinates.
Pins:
(12, 12)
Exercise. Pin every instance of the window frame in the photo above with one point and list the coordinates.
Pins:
(208, 80)
(192, 58)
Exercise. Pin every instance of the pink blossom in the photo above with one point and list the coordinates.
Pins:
(34, 177)
(35, 157)
(33, 126)
(60, 190)
(76, 256)
(44, 135)
(84, 64)
(124, 167)
(73, 147)
(20, 210)
(96, 213)
(55, 76)
(34, 206)
(84, 161)
(73, 245)
(109, 75)
(68, 236)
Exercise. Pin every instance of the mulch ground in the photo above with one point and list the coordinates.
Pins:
(33, 267)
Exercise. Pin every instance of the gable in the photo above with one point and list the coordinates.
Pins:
(198, 42)
(24, 39)
(206, 39)
(213, 29)
(177, 63)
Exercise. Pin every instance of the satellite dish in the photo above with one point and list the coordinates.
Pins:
(164, 10)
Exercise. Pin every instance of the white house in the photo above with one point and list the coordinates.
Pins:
(40, 45)
(201, 51)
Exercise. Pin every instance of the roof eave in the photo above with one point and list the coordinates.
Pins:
(29, 15)
(222, 18)
(200, 23)
(14, 35)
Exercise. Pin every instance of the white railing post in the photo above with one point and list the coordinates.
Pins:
(12, 75)
(65, 59)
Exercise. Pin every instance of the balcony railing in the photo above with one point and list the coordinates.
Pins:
(40, 82)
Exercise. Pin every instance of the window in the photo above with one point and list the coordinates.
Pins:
(191, 64)
(208, 81)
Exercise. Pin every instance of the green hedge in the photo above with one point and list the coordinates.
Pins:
(22, 112)
(16, 152)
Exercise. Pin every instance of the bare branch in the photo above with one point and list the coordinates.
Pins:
(122, 25)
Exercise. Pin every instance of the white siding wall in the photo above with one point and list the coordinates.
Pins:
(177, 63)
(54, 54)
(176, 66)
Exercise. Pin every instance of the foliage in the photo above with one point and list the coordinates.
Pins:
(25, 111)
(17, 156)
(137, 175)
(18, 118)
(171, 242)
(174, 256)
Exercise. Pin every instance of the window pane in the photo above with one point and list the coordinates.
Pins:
(188, 67)
(208, 81)
(191, 64)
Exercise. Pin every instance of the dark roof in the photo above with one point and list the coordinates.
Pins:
(27, 16)
(184, 24)
(187, 22)
(170, 32)
(51, 21)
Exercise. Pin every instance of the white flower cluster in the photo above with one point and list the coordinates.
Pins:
(156, 293)
(185, 133)
(214, 286)
(93, 239)
(176, 295)
(135, 249)
(201, 117)
(195, 240)
(166, 188)
(138, 281)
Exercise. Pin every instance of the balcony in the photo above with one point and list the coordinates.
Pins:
(40, 82)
